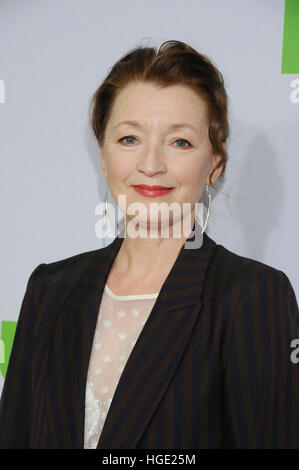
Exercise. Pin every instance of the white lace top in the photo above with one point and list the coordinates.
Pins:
(120, 322)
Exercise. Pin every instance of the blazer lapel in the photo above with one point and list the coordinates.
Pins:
(151, 364)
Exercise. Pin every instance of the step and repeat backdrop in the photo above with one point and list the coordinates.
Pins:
(53, 55)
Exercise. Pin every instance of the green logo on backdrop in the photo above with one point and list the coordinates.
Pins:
(8, 329)
(290, 47)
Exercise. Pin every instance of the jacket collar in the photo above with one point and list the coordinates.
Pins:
(162, 341)
(183, 285)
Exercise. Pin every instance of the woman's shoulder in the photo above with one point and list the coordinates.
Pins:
(234, 271)
(229, 260)
(250, 287)
(65, 269)
(230, 272)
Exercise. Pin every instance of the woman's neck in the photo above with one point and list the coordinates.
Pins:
(146, 257)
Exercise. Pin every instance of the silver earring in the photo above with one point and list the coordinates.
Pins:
(209, 208)
(106, 205)
(120, 224)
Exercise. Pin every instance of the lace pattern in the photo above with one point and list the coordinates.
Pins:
(119, 324)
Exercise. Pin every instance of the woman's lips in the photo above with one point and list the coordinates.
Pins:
(151, 191)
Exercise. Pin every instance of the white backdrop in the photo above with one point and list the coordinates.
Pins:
(54, 54)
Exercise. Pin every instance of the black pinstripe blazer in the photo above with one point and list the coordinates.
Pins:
(211, 368)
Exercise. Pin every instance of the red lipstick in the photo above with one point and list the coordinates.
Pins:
(151, 191)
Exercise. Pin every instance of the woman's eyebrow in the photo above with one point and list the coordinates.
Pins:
(177, 125)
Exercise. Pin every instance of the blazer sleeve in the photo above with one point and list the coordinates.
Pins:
(15, 398)
(262, 366)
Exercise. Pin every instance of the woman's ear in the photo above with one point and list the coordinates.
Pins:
(216, 170)
(217, 167)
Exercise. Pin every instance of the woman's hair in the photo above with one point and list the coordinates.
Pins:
(174, 63)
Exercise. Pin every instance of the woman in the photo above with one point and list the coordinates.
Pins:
(146, 343)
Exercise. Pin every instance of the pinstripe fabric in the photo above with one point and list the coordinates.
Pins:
(211, 367)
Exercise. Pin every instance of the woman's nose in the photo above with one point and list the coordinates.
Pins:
(152, 161)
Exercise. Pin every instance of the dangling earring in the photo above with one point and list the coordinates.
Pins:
(208, 211)
(106, 205)
(120, 224)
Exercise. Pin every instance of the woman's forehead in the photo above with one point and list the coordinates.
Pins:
(140, 107)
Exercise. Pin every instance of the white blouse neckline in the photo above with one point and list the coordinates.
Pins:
(129, 297)
(121, 319)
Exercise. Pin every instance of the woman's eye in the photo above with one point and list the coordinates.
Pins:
(129, 138)
(184, 140)
(126, 137)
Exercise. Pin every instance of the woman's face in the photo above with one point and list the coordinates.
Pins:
(153, 151)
